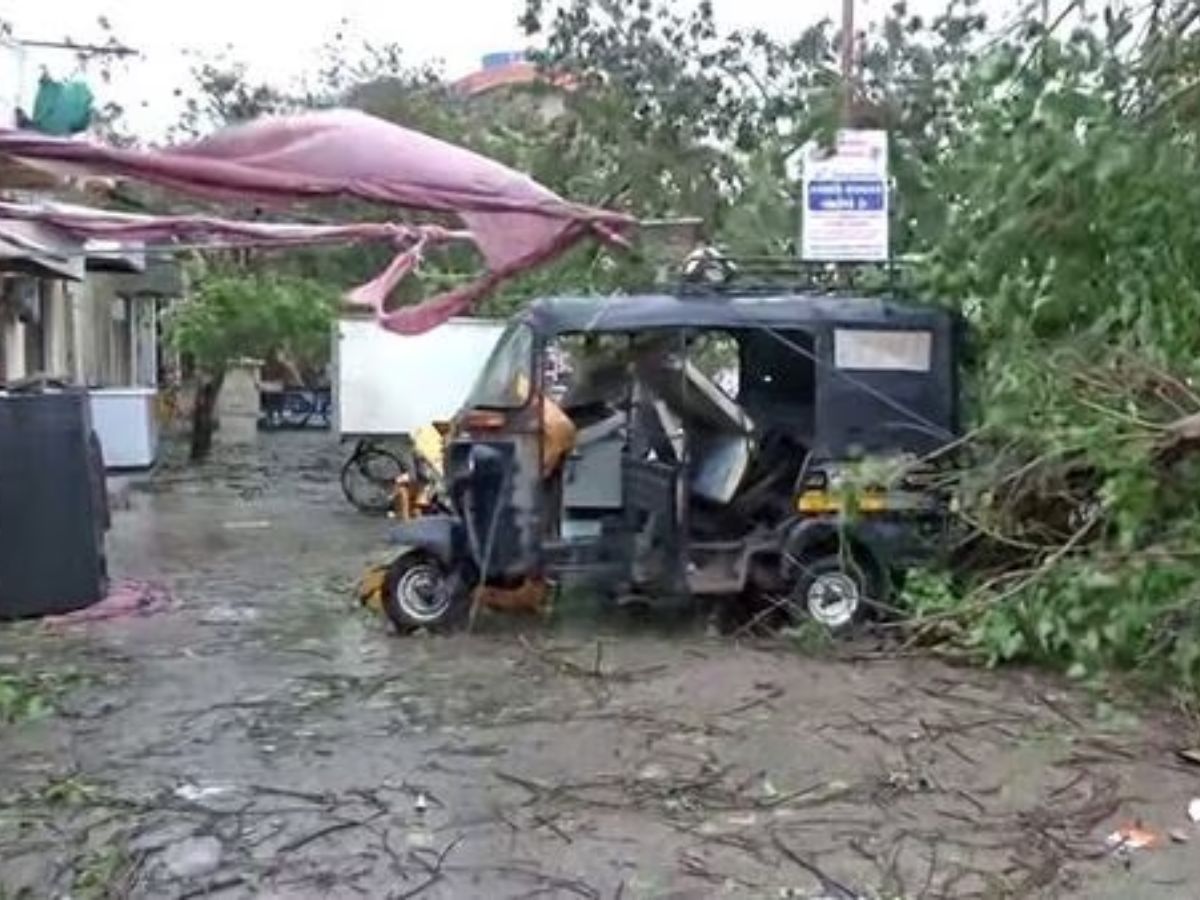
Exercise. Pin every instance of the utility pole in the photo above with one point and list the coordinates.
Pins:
(847, 63)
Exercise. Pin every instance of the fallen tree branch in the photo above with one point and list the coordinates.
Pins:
(293, 845)
(829, 885)
(434, 870)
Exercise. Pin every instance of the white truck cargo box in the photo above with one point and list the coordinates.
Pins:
(392, 384)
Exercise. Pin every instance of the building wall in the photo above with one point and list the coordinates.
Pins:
(14, 346)
(115, 337)
(56, 330)
(91, 308)
(145, 342)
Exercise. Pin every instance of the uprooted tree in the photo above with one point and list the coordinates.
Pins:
(1046, 179)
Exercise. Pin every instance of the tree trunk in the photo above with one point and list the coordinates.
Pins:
(204, 415)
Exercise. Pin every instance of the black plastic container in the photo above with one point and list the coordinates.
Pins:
(53, 504)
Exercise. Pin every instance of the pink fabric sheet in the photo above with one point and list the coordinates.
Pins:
(125, 599)
(83, 222)
(517, 223)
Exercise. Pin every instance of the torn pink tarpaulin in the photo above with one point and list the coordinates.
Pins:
(83, 222)
(516, 223)
(124, 599)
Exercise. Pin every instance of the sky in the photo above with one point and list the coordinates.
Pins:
(280, 39)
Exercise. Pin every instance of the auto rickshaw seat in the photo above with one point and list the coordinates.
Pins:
(594, 470)
(720, 432)
(694, 397)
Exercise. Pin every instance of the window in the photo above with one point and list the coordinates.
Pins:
(778, 367)
(507, 378)
(895, 351)
(588, 367)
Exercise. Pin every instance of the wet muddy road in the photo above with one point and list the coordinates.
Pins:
(262, 737)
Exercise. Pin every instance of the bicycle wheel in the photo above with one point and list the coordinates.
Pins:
(369, 478)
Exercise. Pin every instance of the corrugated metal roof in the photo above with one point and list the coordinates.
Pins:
(511, 75)
(35, 249)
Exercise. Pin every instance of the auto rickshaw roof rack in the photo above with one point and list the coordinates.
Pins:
(707, 271)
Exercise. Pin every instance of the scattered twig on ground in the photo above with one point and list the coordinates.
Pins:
(550, 823)
(828, 884)
(1057, 708)
(434, 869)
(564, 665)
(534, 787)
(762, 700)
(929, 876)
(214, 887)
(267, 790)
(304, 841)
(578, 887)
(187, 717)
(790, 796)
(595, 672)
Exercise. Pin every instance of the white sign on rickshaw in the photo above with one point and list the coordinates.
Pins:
(845, 216)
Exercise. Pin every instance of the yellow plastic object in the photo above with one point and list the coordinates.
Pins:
(531, 596)
(815, 502)
(560, 435)
(520, 388)
(402, 499)
(427, 441)
(370, 588)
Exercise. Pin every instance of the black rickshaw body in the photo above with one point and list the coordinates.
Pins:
(716, 494)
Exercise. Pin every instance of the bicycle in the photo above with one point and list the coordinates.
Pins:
(369, 477)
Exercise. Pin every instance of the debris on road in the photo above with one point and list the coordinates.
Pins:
(1189, 755)
(1133, 837)
(293, 750)
(125, 599)
(193, 857)
(195, 792)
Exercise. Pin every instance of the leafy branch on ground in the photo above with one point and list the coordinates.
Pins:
(28, 695)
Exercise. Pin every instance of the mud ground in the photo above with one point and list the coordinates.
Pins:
(263, 737)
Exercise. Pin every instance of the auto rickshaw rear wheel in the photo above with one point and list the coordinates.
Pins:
(420, 592)
(835, 590)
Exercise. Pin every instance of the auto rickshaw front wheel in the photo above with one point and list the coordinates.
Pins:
(835, 590)
(419, 592)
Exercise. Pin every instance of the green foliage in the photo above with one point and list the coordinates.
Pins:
(21, 700)
(231, 315)
(104, 872)
(31, 695)
(1069, 247)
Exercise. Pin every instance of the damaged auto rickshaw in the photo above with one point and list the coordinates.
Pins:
(706, 443)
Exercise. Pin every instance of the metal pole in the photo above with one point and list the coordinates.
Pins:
(847, 63)
(94, 49)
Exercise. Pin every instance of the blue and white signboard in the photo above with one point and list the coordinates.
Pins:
(846, 199)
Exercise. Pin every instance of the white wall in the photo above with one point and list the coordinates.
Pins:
(13, 82)
(14, 348)
(56, 330)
